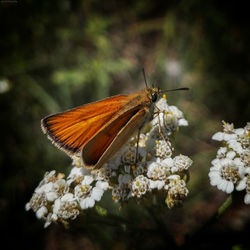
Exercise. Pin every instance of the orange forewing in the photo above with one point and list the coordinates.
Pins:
(95, 148)
(124, 132)
(72, 129)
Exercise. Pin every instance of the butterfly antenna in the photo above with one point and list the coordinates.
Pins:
(144, 76)
(168, 90)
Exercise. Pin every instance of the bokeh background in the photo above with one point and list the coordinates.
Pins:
(55, 55)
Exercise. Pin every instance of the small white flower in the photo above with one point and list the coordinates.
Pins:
(81, 192)
(76, 173)
(128, 156)
(140, 186)
(181, 162)
(158, 171)
(177, 191)
(56, 189)
(162, 149)
(120, 193)
(226, 173)
(229, 170)
(65, 207)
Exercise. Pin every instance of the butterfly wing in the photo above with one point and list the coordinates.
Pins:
(106, 143)
(72, 129)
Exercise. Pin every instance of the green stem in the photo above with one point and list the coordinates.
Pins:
(222, 209)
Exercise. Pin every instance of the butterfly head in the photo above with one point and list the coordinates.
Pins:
(153, 94)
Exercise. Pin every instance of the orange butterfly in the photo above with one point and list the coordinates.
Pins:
(96, 131)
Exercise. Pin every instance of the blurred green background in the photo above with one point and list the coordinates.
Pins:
(55, 55)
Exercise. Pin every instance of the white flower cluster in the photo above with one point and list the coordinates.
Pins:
(131, 173)
(231, 168)
(57, 199)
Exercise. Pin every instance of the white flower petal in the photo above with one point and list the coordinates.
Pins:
(27, 206)
(68, 197)
(247, 199)
(228, 137)
(247, 170)
(156, 184)
(183, 122)
(97, 193)
(51, 196)
(242, 185)
(222, 150)
(102, 184)
(236, 146)
(239, 131)
(56, 206)
(230, 187)
(231, 154)
(88, 179)
(87, 203)
(42, 211)
(219, 136)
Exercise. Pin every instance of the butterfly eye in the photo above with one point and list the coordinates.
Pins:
(154, 97)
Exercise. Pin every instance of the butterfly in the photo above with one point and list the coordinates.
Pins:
(96, 131)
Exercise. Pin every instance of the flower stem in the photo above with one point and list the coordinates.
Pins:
(224, 206)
